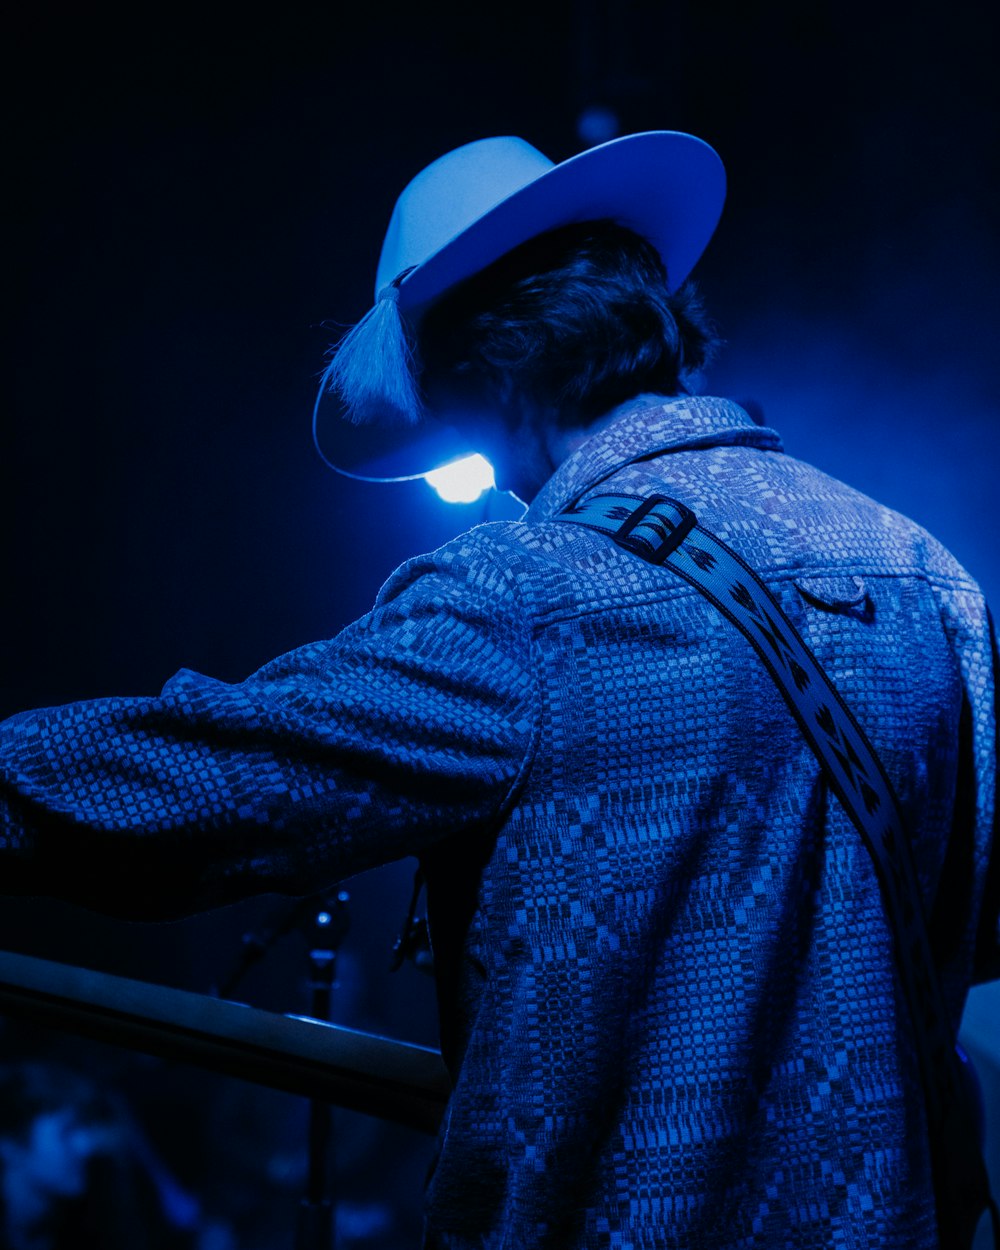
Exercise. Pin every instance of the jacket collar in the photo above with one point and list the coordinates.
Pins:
(643, 428)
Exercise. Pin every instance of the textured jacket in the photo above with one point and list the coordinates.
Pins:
(667, 988)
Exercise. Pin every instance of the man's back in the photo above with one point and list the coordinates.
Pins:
(677, 1008)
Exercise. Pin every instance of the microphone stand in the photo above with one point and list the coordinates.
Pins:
(326, 928)
(254, 946)
(324, 921)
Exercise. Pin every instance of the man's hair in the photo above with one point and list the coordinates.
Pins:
(571, 323)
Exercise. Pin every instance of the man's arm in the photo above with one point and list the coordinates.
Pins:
(412, 725)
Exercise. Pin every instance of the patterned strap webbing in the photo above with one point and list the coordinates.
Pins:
(665, 532)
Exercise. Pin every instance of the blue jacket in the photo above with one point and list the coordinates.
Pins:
(666, 981)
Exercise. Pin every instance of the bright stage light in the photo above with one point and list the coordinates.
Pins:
(463, 481)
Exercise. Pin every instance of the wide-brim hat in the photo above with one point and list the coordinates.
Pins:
(472, 206)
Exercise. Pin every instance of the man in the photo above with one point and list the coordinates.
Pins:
(668, 993)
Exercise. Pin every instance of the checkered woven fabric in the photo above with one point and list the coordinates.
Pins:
(666, 978)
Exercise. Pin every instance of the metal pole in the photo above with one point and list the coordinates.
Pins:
(316, 1226)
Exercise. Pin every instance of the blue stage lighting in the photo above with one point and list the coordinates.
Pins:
(464, 480)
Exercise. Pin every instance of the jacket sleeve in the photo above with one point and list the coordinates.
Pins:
(987, 961)
(411, 726)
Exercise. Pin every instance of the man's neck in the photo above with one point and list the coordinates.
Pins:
(563, 441)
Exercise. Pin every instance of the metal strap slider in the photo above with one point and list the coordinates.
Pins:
(665, 524)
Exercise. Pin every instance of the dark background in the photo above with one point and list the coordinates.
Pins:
(196, 202)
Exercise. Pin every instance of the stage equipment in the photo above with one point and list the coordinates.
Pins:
(323, 920)
(316, 1228)
(393, 1080)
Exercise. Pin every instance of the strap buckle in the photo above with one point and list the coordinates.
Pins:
(664, 532)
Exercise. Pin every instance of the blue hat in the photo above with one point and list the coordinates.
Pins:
(459, 215)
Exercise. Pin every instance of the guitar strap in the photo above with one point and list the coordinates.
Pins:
(665, 532)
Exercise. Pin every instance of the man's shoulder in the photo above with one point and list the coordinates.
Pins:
(535, 568)
(483, 560)
(852, 524)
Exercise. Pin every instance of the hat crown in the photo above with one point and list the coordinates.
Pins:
(451, 193)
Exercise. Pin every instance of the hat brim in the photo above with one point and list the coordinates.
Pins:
(667, 186)
(383, 453)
